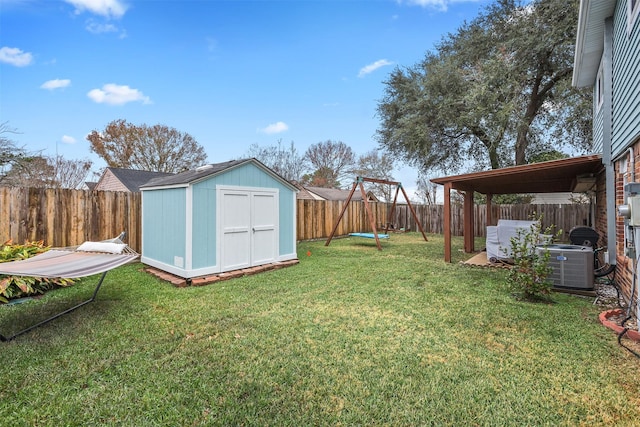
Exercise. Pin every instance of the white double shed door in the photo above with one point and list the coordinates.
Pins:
(248, 224)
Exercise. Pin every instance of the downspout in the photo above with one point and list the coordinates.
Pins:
(610, 187)
(632, 165)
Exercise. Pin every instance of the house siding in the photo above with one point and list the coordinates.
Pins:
(625, 127)
(109, 182)
(626, 90)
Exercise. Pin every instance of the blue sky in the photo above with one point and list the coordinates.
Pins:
(231, 73)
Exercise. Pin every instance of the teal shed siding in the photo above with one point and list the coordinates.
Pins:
(243, 176)
(181, 232)
(204, 226)
(164, 224)
(626, 88)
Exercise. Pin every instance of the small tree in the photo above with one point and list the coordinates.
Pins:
(286, 162)
(427, 190)
(49, 172)
(332, 163)
(375, 164)
(11, 157)
(529, 275)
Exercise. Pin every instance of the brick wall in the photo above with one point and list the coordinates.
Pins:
(624, 269)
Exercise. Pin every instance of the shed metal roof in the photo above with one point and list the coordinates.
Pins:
(545, 177)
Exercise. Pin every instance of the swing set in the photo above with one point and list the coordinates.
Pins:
(359, 183)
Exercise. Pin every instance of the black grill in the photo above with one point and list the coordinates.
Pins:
(584, 236)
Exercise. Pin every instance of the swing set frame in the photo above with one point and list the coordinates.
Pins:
(359, 183)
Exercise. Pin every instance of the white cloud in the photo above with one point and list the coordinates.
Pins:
(277, 127)
(98, 28)
(15, 56)
(55, 84)
(367, 69)
(106, 8)
(68, 139)
(114, 94)
(440, 5)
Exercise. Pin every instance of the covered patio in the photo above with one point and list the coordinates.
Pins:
(575, 174)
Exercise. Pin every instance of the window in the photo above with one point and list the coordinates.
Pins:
(633, 8)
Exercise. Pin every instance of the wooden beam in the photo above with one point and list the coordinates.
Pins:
(344, 208)
(468, 222)
(447, 222)
(489, 209)
(413, 212)
(378, 181)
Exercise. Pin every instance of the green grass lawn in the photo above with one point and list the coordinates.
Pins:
(350, 336)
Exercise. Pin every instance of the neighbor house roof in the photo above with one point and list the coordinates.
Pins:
(202, 172)
(119, 179)
(590, 40)
(333, 193)
(305, 194)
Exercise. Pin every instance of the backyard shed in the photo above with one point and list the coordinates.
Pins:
(218, 217)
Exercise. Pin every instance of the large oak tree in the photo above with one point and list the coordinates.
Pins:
(497, 92)
(157, 148)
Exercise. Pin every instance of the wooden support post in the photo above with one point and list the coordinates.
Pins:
(489, 209)
(447, 222)
(413, 212)
(344, 208)
(469, 232)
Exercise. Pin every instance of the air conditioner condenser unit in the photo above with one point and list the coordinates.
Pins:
(572, 266)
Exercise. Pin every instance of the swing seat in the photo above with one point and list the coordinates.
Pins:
(369, 235)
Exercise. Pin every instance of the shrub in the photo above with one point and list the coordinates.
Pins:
(529, 275)
(12, 287)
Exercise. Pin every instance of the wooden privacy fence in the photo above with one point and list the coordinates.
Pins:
(316, 218)
(63, 217)
(561, 216)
